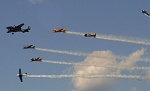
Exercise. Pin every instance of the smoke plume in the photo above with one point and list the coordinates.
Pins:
(116, 38)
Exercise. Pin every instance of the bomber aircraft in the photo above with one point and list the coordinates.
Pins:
(90, 35)
(12, 29)
(20, 75)
(59, 30)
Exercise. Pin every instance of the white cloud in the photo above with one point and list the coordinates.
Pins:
(106, 58)
(133, 58)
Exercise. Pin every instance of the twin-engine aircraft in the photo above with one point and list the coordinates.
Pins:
(20, 75)
(12, 29)
(59, 30)
(36, 59)
(90, 35)
(145, 13)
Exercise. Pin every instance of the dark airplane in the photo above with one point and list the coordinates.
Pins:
(20, 75)
(145, 13)
(36, 59)
(90, 35)
(12, 29)
(29, 47)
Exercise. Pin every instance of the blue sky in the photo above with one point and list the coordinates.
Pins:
(119, 18)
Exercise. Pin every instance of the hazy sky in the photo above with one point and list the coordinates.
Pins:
(104, 17)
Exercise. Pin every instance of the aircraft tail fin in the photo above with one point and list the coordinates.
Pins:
(94, 35)
(29, 27)
(64, 30)
(27, 30)
(20, 71)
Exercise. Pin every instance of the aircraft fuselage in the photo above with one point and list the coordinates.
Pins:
(13, 29)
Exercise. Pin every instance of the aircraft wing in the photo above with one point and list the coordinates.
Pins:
(20, 25)
(20, 75)
(20, 71)
(21, 78)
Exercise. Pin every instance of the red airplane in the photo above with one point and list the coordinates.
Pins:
(90, 35)
(59, 30)
(36, 59)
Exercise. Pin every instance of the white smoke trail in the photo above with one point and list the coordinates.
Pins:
(116, 38)
(75, 33)
(86, 54)
(91, 76)
(36, 1)
(62, 52)
(81, 64)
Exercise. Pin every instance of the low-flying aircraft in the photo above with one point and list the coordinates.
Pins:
(36, 59)
(59, 30)
(145, 13)
(90, 35)
(29, 47)
(12, 29)
(20, 75)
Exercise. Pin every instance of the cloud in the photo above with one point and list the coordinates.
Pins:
(133, 58)
(36, 1)
(106, 58)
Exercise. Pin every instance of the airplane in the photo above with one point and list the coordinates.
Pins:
(145, 13)
(36, 59)
(59, 30)
(20, 75)
(12, 29)
(29, 47)
(90, 35)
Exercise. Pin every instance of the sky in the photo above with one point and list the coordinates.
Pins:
(104, 17)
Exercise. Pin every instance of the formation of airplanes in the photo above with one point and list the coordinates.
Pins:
(12, 29)
(18, 28)
(20, 75)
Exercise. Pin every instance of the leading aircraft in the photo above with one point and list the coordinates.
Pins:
(12, 29)
(145, 13)
(59, 30)
(20, 75)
